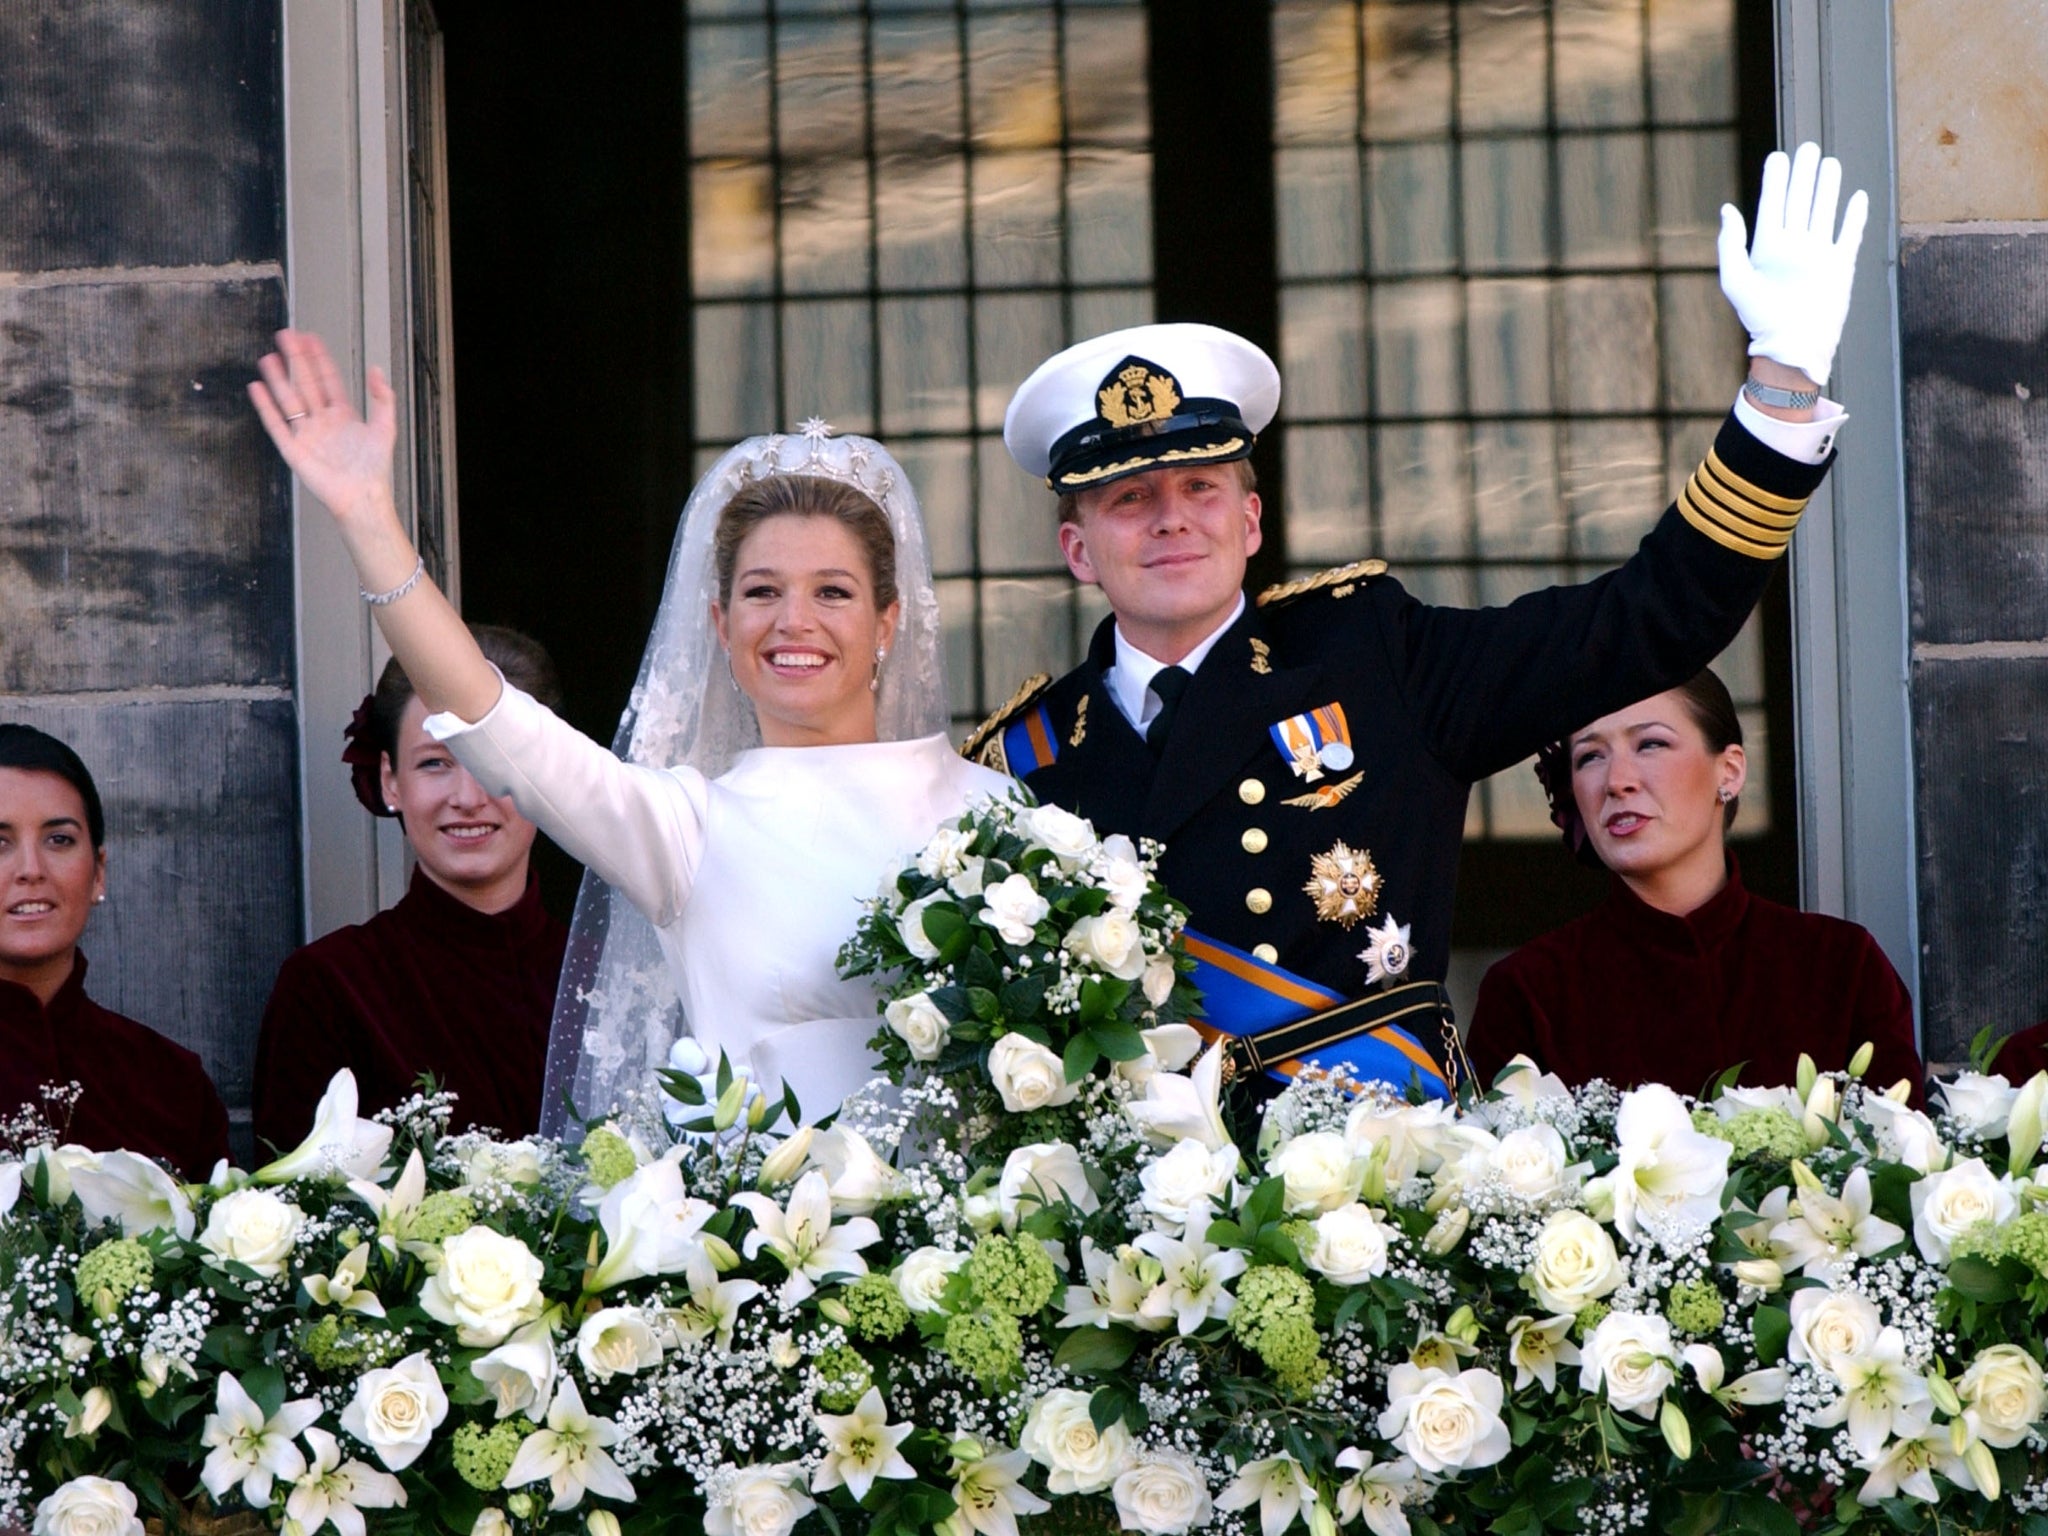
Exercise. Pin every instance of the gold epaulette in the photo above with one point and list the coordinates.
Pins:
(1339, 577)
(985, 744)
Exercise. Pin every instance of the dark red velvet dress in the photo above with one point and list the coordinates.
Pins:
(429, 986)
(1635, 995)
(142, 1092)
(2021, 1055)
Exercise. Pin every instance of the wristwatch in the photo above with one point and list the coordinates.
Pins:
(1780, 399)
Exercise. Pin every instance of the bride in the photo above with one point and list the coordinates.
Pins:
(784, 747)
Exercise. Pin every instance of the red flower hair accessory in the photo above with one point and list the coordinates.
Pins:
(365, 758)
(1554, 773)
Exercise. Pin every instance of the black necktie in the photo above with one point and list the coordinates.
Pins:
(1169, 683)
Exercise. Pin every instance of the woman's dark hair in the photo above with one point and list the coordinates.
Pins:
(373, 734)
(34, 751)
(806, 496)
(1710, 708)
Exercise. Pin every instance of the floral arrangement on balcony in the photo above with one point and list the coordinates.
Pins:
(1034, 1284)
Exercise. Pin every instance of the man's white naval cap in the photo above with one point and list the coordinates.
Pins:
(1139, 399)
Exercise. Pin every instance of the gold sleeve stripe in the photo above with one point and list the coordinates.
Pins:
(1748, 492)
(1689, 508)
(1729, 497)
(1766, 527)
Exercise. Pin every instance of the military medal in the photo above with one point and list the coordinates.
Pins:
(1262, 654)
(1315, 741)
(1344, 884)
(1080, 723)
(1323, 796)
(1387, 955)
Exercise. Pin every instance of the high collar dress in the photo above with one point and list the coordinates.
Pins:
(1635, 995)
(752, 880)
(142, 1092)
(431, 985)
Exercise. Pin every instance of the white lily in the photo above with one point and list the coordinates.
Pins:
(1667, 1177)
(1537, 1349)
(341, 1144)
(1277, 1485)
(336, 1492)
(521, 1371)
(1191, 1291)
(1881, 1397)
(1822, 1230)
(1118, 1284)
(245, 1447)
(1750, 1390)
(1907, 1465)
(989, 1496)
(803, 1237)
(394, 1206)
(134, 1191)
(714, 1307)
(344, 1288)
(1177, 1106)
(570, 1453)
(1376, 1491)
(861, 1447)
(650, 1225)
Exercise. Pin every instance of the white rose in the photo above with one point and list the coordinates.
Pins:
(487, 1285)
(919, 1024)
(88, 1506)
(1445, 1423)
(1633, 1356)
(1189, 1174)
(1575, 1264)
(1120, 873)
(1319, 1172)
(1948, 1204)
(944, 854)
(1040, 1174)
(1112, 941)
(922, 1276)
(1533, 1164)
(1067, 835)
(253, 1227)
(1350, 1246)
(396, 1410)
(2003, 1394)
(1979, 1104)
(970, 879)
(1832, 1328)
(514, 1162)
(1904, 1135)
(1414, 1135)
(616, 1341)
(1014, 909)
(910, 923)
(1028, 1075)
(1158, 983)
(761, 1501)
(491, 1521)
(784, 1352)
(1061, 1437)
(1163, 1495)
(855, 1175)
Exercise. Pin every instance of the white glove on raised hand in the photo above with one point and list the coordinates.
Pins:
(1791, 289)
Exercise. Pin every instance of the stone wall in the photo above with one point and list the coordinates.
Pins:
(1973, 322)
(145, 533)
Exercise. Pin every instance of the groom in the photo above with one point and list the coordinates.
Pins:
(1305, 756)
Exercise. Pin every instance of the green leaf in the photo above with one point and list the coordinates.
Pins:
(1267, 1203)
(680, 1086)
(1120, 1041)
(1276, 1247)
(1753, 1513)
(1771, 1328)
(1224, 1233)
(1114, 1401)
(984, 1005)
(1983, 1281)
(1555, 1498)
(1081, 1055)
(1095, 1351)
(265, 1384)
(1699, 1514)
(978, 969)
(1023, 997)
(943, 923)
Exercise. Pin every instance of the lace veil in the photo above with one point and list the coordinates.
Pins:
(618, 1008)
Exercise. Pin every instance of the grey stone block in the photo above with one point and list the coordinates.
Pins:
(145, 530)
(140, 135)
(1973, 319)
(1981, 765)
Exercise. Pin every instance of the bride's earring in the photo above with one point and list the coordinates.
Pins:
(730, 675)
(875, 681)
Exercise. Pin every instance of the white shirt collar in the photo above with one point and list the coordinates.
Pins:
(1130, 676)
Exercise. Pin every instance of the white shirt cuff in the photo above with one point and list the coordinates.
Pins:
(447, 725)
(1809, 442)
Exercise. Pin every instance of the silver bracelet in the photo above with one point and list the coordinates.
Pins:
(1782, 399)
(380, 599)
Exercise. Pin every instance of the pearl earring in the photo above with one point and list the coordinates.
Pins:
(875, 679)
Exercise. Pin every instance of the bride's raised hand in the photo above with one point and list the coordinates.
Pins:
(344, 459)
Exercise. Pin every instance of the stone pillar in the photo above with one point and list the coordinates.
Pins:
(1972, 124)
(146, 603)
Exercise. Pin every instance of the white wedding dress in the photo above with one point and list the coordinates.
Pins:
(752, 880)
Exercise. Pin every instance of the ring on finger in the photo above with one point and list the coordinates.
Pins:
(296, 416)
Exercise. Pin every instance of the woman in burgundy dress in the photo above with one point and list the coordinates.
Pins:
(458, 979)
(1682, 973)
(138, 1090)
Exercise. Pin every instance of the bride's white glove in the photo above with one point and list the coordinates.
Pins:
(688, 1057)
(1791, 288)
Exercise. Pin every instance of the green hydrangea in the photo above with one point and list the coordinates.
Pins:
(441, 1215)
(2025, 1238)
(988, 1345)
(1267, 1296)
(1301, 1233)
(608, 1156)
(1590, 1317)
(847, 1378)
(335, 1343)
(483, 1453)
(1012, 1274)
(1767, 1135)
(1709, 1123)
(1292, 1350)
(876, 1312)
(114, 1271)
(1695, 1307)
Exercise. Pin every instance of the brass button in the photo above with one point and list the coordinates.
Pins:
(1254, 840)
(1266, 952)
(1251, 791)
(1259, 899)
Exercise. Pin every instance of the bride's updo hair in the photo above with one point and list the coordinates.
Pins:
(807, 496)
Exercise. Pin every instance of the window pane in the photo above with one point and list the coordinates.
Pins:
(921, 221)
(924, 365)
(1514, 473)
(1424, 509)
(1415, 348)
(1411, 190)
(1603, 196)
(729, 90)
(1599, 63)
(1496, 44)
(1326, 496)
(1507, 203)
(734, 349)
(1407, 70)
(1322, 230)
(1322, 348)
(1508, 341)
(1315, 73)
(919, 89)
(1016, 218)
(1109, 216)
(828, 365)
